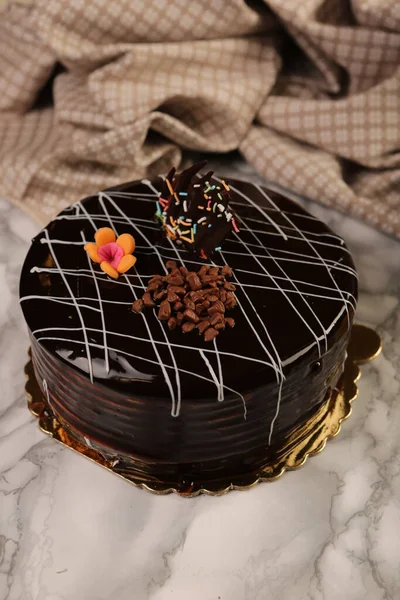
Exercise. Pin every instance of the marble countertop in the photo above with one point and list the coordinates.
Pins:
(70, 530)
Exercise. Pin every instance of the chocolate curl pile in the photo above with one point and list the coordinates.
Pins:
(194, 211)
(191, 300)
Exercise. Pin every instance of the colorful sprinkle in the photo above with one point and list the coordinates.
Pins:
(186, 239)
(170, 232)
(228, 189)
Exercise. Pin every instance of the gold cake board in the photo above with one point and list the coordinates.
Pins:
(307, 440)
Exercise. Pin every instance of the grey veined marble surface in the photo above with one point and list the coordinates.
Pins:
(70, 530)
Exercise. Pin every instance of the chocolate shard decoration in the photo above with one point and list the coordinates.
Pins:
(194, 211)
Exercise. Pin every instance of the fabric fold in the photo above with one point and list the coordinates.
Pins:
(308, 92)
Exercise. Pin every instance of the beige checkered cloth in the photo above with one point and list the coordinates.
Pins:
(308, 90)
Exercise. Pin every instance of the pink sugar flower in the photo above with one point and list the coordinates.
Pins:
(114, 255)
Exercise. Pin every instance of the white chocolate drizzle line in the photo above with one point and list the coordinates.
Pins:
(331, 263)
(78, 310)
(148, 341)
(311, 246)
(318, 261)
(208, 364)
(275, 364)
(46, 391)
(149, 225)
(102, 277)
(220, 374)
(220, 387)
(313, 333)
(176, 401)
(213, 375)
(103, 322)
(59, 301)
(178, 255)
(321, 259)
(149, 360)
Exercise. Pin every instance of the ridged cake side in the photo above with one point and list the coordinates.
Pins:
(205, 431)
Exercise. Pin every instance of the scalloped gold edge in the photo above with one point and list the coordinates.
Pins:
(276, 469)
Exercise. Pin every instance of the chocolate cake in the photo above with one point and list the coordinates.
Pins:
(121, 356)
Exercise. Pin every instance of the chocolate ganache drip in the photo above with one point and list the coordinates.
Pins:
(194, 211)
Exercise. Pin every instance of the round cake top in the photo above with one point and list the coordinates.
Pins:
(295, 287)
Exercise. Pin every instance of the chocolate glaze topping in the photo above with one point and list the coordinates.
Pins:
(173, 397)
